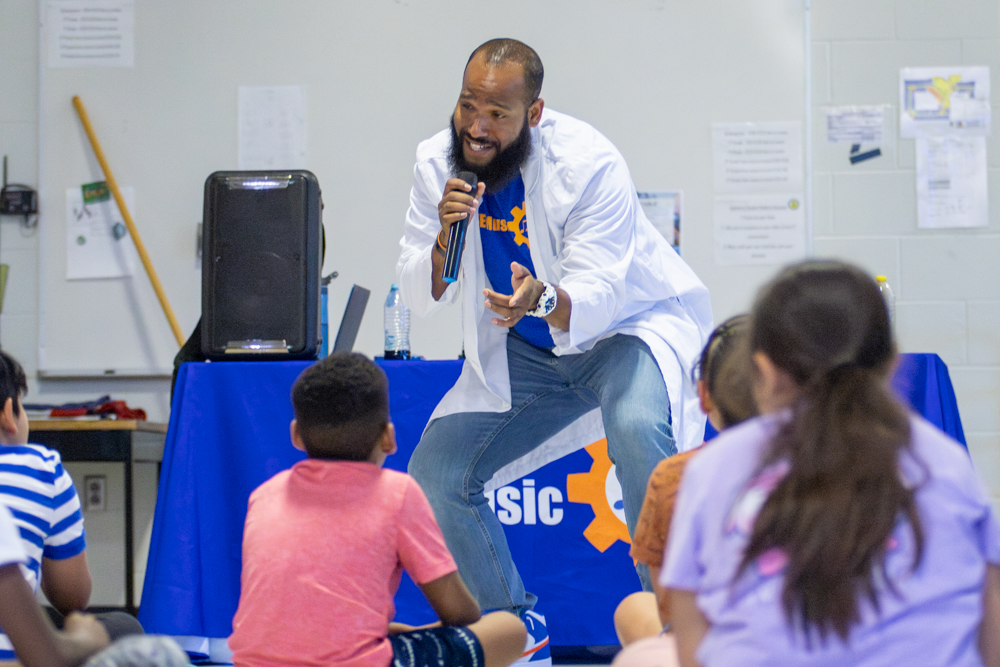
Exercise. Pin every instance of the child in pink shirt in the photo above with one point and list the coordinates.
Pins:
(325, 544)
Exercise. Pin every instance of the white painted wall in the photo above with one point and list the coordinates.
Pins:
(947, 282)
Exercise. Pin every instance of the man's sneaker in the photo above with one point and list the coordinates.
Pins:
(536, 648)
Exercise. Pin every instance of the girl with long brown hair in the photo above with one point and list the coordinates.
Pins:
(836, 529)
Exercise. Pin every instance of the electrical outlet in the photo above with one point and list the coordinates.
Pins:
(95, 496)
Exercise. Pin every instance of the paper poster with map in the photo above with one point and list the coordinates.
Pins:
(935, 101)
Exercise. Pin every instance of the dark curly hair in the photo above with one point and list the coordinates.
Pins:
(341, 404)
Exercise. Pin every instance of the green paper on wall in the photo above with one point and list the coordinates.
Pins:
(95, 192)
(4, 270)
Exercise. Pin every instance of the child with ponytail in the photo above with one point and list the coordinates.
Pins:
(837, 528)
(642, 620)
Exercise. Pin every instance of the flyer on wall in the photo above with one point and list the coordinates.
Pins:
(759, 229)
(934, 101)
(90, 33)
(757, 157)
(271, 124)
(759, 213)
(951, 182)
(855, 124)
(97, 241)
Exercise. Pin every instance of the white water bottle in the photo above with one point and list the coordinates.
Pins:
(890, 298)
(397, 326)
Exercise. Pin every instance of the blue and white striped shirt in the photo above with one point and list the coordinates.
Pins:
(40, 496)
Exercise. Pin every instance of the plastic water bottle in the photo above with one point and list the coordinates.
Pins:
(890, 298)
(324, 322)
(397, 326)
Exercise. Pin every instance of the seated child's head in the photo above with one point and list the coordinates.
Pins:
(341, 406)
(725, 385)
(13, 420)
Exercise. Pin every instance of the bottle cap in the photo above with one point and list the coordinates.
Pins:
(881, 279)
(394, 286)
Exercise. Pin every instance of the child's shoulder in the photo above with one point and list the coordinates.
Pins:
(937, 455)
(32, 456)
(35, 468)
(399, 483)
(397, 477)
(734, 454)
(930, 440)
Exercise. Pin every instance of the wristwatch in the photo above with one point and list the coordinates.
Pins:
(546, 302)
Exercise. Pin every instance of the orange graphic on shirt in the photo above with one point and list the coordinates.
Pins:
(597, 489)
(519, 225)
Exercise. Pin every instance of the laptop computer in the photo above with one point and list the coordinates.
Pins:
(351, 321)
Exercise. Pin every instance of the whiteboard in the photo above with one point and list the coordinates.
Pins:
(380, 76)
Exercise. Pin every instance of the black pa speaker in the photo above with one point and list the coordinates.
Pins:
(261, 264)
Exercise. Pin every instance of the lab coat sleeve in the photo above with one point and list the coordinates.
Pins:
(421, 227)
(598, 245)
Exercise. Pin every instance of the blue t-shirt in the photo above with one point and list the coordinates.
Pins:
(503, 229)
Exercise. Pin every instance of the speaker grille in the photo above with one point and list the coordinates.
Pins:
(259, 244)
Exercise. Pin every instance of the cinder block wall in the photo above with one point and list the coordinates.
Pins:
(947, 282)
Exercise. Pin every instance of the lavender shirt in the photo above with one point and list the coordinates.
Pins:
(934, 620)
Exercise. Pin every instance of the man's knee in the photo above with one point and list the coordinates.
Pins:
(630, 424)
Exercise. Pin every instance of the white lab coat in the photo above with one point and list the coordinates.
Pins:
(589, 236)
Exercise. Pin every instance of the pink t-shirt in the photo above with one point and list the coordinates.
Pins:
(324, 547)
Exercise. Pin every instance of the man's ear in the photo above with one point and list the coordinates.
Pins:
(535, 112)
(8, 424)
(388, 439)
(297, 441)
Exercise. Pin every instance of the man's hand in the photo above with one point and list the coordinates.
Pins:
(512, 308)
(527, 291)
(458, 203)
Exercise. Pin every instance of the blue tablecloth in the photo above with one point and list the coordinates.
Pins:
(228, 433)
(922, 381)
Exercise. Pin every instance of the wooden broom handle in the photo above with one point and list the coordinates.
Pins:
(127, 217)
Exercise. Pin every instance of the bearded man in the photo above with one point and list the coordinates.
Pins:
(571, 301)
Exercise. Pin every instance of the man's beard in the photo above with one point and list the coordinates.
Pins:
(505, 165)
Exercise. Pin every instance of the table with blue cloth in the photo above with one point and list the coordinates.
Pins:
(228, 433)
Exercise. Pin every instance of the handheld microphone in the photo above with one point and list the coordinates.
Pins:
(456, 236)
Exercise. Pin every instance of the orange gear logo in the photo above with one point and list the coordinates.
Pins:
(600, 489)
(520, 238)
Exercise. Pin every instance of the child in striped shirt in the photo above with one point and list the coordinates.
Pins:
(44, 504)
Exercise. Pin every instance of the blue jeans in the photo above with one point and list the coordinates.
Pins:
(459, 453)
